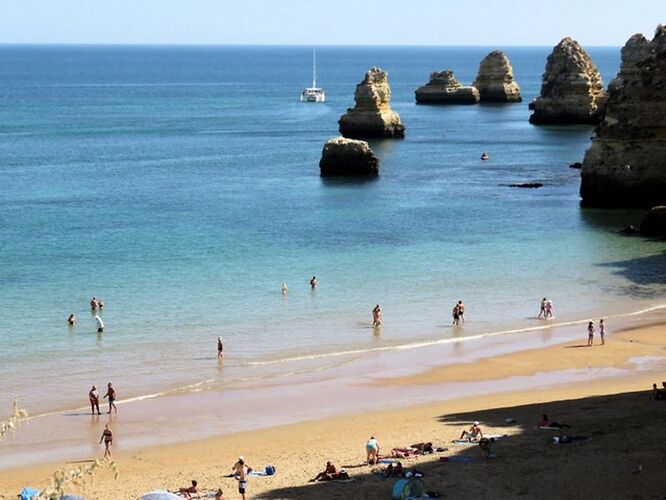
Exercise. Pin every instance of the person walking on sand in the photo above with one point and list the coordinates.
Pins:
(241, 471)
(372, 450)
(542, 312)
(590, 334)
(461, 311)
(220, 348)
(111, 394)
(107, 437)
(93, 396)
(377, 316)
(549, 309)
(100, 324)
(313, 282)
(602, 331)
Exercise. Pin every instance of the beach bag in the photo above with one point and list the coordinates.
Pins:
(407, 488)
(270, 470)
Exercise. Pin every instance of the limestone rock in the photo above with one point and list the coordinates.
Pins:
(626, 164)
(572, 90)
(494, 81)
(654, 223)
(372, 116)
(443, 88)
(342, 156)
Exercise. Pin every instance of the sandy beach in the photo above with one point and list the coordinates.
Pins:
(615, 411)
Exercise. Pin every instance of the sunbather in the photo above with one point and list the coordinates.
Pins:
(330, 473)
(423, 448)
(189, 491)
(473, 434)
(546, 422)
(393, 470)
(219, 495)
(404, 452)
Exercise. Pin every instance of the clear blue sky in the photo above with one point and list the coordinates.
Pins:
(326, 22)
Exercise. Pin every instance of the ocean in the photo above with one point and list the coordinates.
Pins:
(181, 185)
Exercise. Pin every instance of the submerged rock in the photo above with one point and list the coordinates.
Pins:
(654, 223)
(342, 156)
(626, 164)
(443, 88)
(527, 185)
(578, 165)
(372, 115)
(494, 81)
(572, 90)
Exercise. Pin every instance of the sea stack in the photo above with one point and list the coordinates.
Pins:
(494, 81)
(572, 90)
(626, 164)
(348, 157)
(372, 116)
(443, 88)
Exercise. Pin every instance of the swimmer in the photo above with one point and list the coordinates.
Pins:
(313, 282)
(461, 311)
(377, 316)
(100, 324)
(220, 348)
(284, 289)
(456, 315)
(93, 304)
(71, 321)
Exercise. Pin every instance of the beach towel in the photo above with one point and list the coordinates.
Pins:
(28, 493)
(269, 470)
(160, 495)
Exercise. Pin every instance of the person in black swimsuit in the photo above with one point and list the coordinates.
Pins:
(111, 394)
(107, 437)
(220, 348)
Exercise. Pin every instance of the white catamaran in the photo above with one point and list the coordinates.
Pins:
(314, 93)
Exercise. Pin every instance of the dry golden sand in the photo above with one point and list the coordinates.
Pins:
(627, 429)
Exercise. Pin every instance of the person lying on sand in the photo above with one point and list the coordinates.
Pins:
(189, 491)
(330, 473)
(393, 470)
(473, 434)
(546, 422)
(423, 448)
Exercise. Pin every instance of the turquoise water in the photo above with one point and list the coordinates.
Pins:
(182, 186)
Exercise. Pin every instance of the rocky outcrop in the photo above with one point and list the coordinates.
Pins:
(372, 116)
(443, 88)
(342, 156)
(626, 164)
(494, 81)
(654, 223)
(572, 90)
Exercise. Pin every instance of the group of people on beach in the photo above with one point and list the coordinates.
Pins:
(240, 472)
(458, 313)
(657, 393)
(590, 333)
(93, 397)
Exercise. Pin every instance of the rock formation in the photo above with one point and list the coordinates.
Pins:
(654, 223)
(626, 164)
(372, 116)
(572, 89)
(342, 156)
(494, 81)
(443, 88)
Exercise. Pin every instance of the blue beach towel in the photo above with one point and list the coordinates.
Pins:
(28, 493)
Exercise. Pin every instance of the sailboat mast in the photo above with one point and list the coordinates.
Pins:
(314, 68)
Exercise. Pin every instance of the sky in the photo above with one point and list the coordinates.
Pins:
(328, 22)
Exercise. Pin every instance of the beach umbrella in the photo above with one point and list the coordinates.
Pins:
(160, 495)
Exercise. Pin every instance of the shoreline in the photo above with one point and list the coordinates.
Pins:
(614, 373)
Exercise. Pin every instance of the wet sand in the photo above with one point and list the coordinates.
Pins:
(626, 431)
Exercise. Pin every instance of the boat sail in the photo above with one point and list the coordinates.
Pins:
(314, 93)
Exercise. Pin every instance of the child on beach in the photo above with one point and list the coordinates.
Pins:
(602, 331)
(590, 334)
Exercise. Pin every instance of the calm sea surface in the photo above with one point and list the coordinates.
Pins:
(182, 186)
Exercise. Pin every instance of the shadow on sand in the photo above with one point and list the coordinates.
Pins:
(626, 430)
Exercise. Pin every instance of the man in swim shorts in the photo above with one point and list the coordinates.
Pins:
(111, 394)
(240, 473)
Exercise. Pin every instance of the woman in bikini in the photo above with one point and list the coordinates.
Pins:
(107, 437)
(590, 334)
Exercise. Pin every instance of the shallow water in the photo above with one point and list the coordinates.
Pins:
(182, 186)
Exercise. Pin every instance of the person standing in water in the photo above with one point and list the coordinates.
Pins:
(71, 321)
(461, 311)
(107, 437)
(549, 309)
(111, 394)
(93, 396)
(313, 282)
(377, 316)
(93, 304)
(284, 289)
(590, 334)
(220, 348)
(456, 315)
(602, 331)
(543, 309)
(100, 324)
